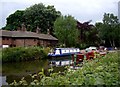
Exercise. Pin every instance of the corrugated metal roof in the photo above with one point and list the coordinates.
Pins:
(26, 34)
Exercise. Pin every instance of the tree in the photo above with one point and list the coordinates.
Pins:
(14, 20)
(88, 34)
(41, 16)
(35, 16)
(83, 28)
(92, 37)
(66, 31)
(109, 30)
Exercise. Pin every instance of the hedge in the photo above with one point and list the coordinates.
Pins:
(17, 54)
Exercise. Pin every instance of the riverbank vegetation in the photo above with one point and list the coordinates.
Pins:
(100, 71)
(17, 54)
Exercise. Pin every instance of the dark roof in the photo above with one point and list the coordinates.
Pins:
(26, 34)
(5, 33)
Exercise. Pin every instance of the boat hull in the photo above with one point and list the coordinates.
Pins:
(61, 55)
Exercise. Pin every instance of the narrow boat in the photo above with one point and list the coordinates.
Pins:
(60, 52)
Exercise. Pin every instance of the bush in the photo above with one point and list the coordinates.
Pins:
(17, 54)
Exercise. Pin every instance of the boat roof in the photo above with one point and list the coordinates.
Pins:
(67, 48)
(92, 48)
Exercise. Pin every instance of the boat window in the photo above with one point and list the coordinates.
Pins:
(71, 51)
(57, 52)
(67, 51)
(63, 51)
(74, 50)
(78, 50)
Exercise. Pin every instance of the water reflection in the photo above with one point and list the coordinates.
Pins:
(60, 63)
(15, 71)
(24, 68)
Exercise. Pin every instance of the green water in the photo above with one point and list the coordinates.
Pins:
(15, 71)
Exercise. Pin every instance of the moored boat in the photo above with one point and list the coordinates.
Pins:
(60, 52)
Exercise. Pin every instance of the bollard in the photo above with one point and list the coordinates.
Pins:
(71, 59)
(72, 55)
(75, 57)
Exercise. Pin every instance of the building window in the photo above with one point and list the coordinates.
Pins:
(7, 38)
(34, 39)
(3, 38)
(10, 45)
(14, 45)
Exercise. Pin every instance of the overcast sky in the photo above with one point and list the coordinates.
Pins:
(82, 10)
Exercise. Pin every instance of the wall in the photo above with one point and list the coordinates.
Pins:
(13, 42)
(26, 42)
(7, 41)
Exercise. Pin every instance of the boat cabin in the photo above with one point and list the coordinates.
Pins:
(64, 51)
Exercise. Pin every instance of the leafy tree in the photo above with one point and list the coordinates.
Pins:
(109, 30)
(14, 20)
(66, 31)
(88, 34)
(41, 16)
(92, 37)
(83, 28)
(35, 16)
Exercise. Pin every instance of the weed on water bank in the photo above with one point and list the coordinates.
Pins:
(17, 54)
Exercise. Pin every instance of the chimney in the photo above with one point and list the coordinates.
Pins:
(38, 30)
(48, 31)
(23, 27)
(18, 29)
(28, 27)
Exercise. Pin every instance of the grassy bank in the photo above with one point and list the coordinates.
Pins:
(17, 54)
(100, 71)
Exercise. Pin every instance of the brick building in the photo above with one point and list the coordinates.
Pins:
(21, 37)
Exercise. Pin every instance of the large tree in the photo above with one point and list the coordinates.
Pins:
(83, 29)
(66, 31)
(88, 34)
(35, 16)
(109, 30)
(41, 16)
(14, 20)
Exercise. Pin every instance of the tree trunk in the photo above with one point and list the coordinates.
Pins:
(111, 43)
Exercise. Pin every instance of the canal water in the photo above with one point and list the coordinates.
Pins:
(15, 71)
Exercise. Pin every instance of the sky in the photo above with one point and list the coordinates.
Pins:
(82, 10)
